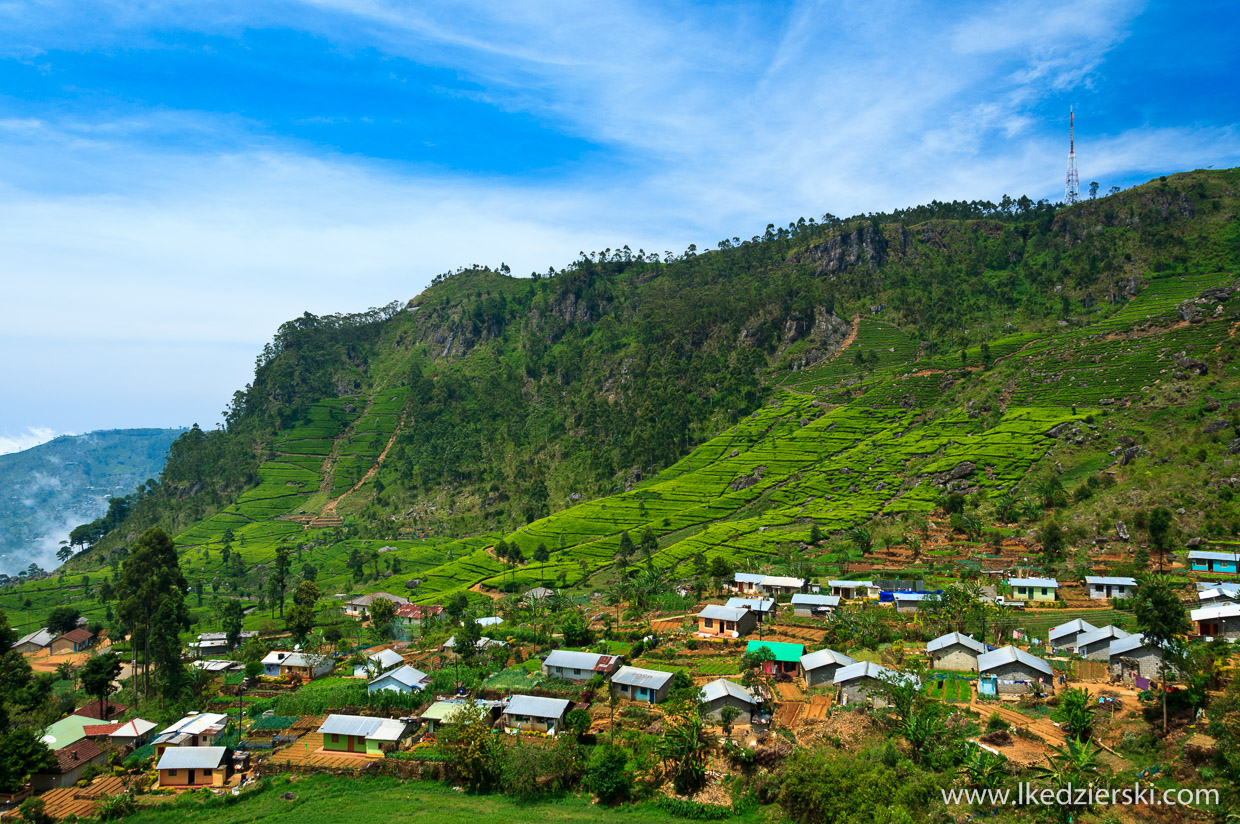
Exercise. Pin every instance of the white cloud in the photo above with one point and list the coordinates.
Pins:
(33, 436)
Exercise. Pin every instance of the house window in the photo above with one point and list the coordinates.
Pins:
(624, 687)
(708, 623)
(335, 738)
(172, 773)
(1044, 590)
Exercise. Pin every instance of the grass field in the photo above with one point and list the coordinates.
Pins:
(328, 800)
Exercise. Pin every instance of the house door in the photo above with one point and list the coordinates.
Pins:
(190, 779)
(349, 739)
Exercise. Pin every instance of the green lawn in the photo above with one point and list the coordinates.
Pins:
(328, 800)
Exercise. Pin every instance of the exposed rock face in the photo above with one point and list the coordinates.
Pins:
(849, 249)
(746, 481)
(1193, 365)
(1121, 529)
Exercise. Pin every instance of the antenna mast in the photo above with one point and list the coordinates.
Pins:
(1072, 188)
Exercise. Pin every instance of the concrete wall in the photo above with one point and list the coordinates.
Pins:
(1097, 651)
(955, 657)
(531, 722)
(728, 629)
(821, 675)
(861, 690)
(1228, 627)
(642, 694)
(202, 778)
(1148, 663)
(714, 708)
(1016, 671)
(568, 673)
(340, 743)
(1034, 593)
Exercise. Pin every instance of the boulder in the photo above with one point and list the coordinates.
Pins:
(1193, 365)
(1216, 425)
(1212, 404)
(1121, 529)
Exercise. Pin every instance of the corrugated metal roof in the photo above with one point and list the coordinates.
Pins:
(1121, 646)
(782, 650)
(444, 710)
(197, 724)
(349, 725)
(42, 637)
(1115, 582)
(407, 675)
(1101, 634)
(721, 613)
(1049, 583)
(868, 669)
(571, 659)
(748, 578)
(952, 638)
(1215, 612)
(191, 758)
(802, 598)
(1075, 625)
(1210, 555)
(850, 584)
(823, 658)
(752, 604)
(386, 657)
(721, 688)
(782, 581)
(1011, 655)
(536, 706)
(638, 677)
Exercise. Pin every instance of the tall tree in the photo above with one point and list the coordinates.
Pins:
(300, 619)
(151, 591)
(98, 676)
(62, 619)
(1161, 521)
(280, 574)
(1162, 620)
(232, 615)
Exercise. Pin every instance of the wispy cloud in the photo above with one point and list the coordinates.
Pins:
(33, 436)
(178, 225)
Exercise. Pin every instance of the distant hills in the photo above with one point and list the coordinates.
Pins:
(47, 490)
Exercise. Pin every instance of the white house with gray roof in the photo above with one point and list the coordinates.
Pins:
(637, 684)
(1014, 670)
(404, 679)
(1095, 645)
(722, 693)
(864, 681)
(955, 651)
(534, 713)
(763, 608)
(579, 666)
(1133, 656)
(1064, 636)
(1220, 620)
(719, 621)
(805, 605)
(819, 667)
(1103, 588)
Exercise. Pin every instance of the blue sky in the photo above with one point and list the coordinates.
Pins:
(176, 179)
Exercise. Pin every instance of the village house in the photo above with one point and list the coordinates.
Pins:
(579, 666)
(537, 594)
(360, 735)
(359, 606)
(1033, 589)
(442, 712)
(747, 582)
(409, 616)
(910, 602)
(215, 643)
(725, 622)
(820, 667)
(303, 665)
(1217, 596)
(1010, 671)
(722, 693)
(75, 640)
(1218, 621)
(68, 730)
(133, 733)
(1095, 645)
(181, 767)
(1102, 588)
(786, 660)
(534, 714)
(198, 729)
(71, 762)
(637, 684)
(805, 605)
(762, 608)
(851, 590)
(484, 642)
(36, 641)
(378, 661)
(864, 680)
(1064, 636)
(1133, 657)
(781, 585)
(404, 679)
(1204, 561)
(955, 651)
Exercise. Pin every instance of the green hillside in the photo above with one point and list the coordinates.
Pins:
(834, 373)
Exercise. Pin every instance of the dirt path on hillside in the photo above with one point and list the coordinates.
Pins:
(330, 507)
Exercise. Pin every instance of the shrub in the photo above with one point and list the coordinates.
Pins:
(607, 775)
